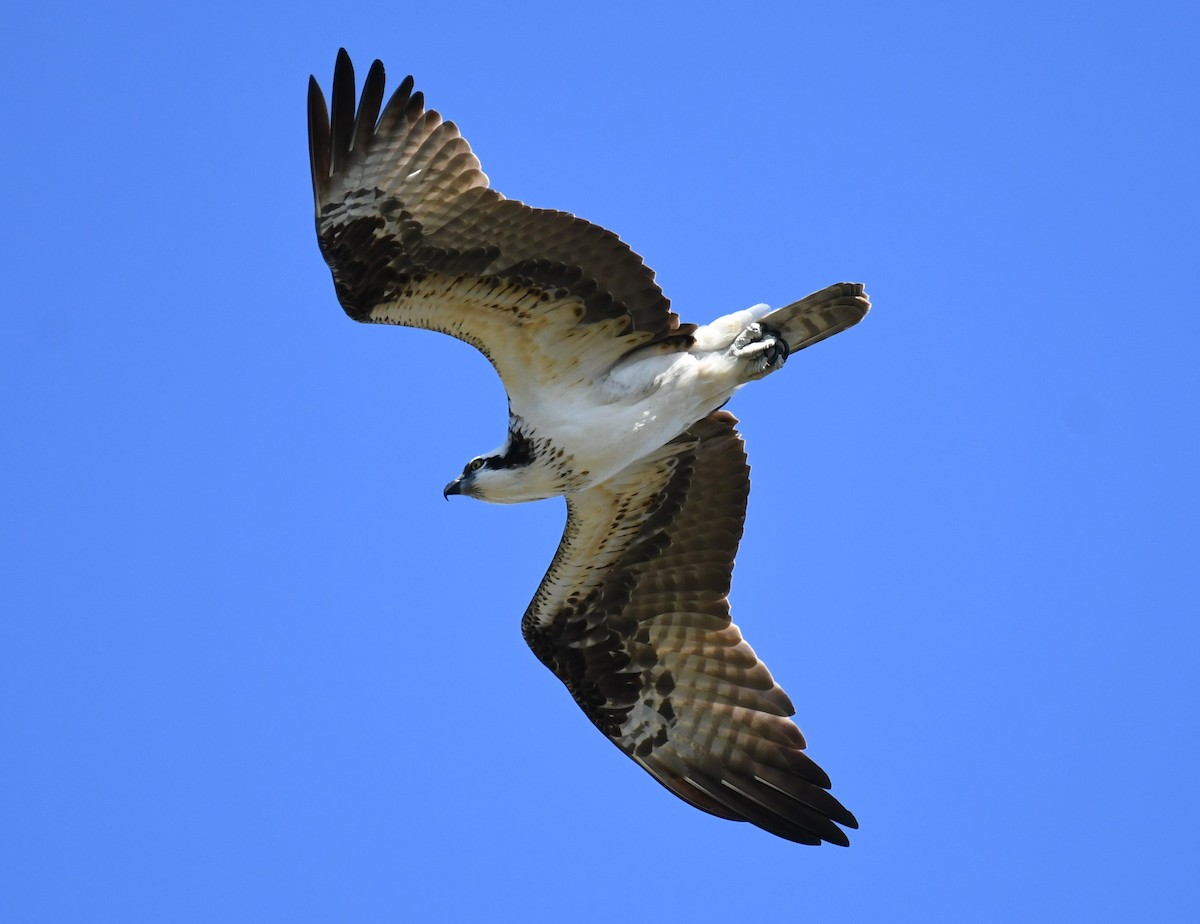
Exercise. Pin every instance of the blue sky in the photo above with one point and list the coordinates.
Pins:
(255, 668)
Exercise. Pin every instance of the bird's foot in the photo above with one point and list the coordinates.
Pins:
(762, 347)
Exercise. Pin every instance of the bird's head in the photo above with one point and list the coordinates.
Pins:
(502, 477)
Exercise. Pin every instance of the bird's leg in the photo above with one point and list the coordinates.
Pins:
(763, 348)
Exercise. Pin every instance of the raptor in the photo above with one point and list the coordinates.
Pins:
(615, 405)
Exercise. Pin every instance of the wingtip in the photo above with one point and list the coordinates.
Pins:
(316, 98)
(318, 138)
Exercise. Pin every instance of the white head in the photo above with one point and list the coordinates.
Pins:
(508, 475)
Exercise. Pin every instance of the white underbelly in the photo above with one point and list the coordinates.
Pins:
(608, 426)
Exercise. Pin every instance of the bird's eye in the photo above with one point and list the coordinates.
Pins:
(474, 465)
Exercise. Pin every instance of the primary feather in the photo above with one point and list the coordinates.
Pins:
(614, 405)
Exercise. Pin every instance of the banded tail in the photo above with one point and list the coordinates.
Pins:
(820, 315)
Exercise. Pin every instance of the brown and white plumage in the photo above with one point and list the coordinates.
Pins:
(633, 616)
(612, 405)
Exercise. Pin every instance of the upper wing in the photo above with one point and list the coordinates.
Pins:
(414, 236)
(633, 617)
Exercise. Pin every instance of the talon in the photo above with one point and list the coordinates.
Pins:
(780, 347)
(763, 345)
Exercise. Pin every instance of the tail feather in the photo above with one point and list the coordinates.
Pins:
(819, 315)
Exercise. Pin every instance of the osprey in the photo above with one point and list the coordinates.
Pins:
(613, 404)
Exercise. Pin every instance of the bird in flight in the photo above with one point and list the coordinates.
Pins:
(614, 404)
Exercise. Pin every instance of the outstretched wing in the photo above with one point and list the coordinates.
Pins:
(633, 617)
(414, 236)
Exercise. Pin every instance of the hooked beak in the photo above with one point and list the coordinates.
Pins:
(454, 487)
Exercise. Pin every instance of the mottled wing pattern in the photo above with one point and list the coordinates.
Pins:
(633, 617)
(414, 236)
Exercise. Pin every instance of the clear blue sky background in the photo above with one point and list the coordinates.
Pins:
(254, 668)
